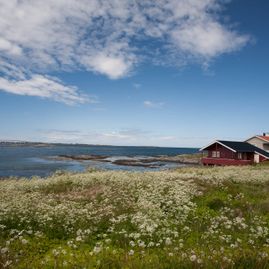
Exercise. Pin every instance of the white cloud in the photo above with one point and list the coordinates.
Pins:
(207, 39)
(9, 48)
(122, 137)
(44, 87)
(118, 137)
(113, 67)
(111, 37)
(150, 104)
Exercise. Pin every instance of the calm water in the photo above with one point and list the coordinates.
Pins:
(30, 160)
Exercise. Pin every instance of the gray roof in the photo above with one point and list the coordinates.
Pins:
(240, 147)
(244, 147)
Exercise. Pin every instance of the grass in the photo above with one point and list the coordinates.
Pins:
(189, 218)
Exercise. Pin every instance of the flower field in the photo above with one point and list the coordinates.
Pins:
(188, 218)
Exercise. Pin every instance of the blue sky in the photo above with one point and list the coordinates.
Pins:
(163, 73)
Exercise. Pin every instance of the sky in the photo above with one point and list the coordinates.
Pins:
(176, 73)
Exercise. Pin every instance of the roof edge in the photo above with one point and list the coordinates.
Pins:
(259, 137)
(262, 155)
(217, 141)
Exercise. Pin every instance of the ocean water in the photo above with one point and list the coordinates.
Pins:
(30, 161)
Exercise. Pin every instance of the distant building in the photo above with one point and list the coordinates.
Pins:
(260, 141)
(232, 153)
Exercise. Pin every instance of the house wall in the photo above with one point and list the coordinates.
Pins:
(222, 162)
(262, 159)
(225, 153)
(258, 143)
(266, 147)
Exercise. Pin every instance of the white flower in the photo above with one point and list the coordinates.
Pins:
(131, 252)
(55, 252)
(79, 238)
(168, 241)
(97, 249)
(24, 241)
(193, 258)
(141, 244)
(4, 250)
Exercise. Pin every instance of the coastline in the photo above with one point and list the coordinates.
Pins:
(150, 161)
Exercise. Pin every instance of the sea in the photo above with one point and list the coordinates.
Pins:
(28, 161)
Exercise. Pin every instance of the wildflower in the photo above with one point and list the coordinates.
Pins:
(79, 238)
(131, 252)
(97, 249)
(193, 258)
(55, 252)
(141, 244)
(24, 241)
(4, 250)
(168, 241)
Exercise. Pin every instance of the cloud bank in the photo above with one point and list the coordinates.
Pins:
(108, 37)
(123, 137)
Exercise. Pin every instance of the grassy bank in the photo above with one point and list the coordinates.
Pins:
(189, 218)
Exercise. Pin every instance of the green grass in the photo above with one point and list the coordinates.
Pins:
(189, 218)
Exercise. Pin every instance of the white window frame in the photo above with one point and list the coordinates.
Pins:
(215, 154)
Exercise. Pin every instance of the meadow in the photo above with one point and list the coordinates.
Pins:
(193, 217)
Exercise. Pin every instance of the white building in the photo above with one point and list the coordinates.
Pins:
(260, 141)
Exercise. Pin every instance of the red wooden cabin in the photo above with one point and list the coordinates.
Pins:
(232, 153)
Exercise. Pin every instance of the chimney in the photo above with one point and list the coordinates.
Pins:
(266, 134)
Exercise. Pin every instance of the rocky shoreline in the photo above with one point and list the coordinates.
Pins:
(147, 162)
(83, 157)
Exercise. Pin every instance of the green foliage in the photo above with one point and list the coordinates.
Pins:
(189, 218)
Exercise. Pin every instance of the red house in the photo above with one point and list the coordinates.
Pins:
(232, 153)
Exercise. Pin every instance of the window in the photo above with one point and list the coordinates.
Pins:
(240, 156)
(215, 154)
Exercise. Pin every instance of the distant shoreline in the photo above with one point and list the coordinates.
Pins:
(45, 144)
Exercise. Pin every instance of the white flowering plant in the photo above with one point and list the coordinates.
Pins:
(192, 217)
